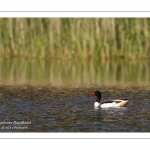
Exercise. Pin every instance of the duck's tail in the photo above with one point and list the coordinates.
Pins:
(123, 103)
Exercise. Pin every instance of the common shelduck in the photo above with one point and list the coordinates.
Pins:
(111, 103)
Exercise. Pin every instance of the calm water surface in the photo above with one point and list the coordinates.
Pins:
(29, 108)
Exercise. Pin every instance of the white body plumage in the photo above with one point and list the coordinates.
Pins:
(113, 103)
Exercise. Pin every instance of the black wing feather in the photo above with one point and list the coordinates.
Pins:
(113, 101)
(107, 102)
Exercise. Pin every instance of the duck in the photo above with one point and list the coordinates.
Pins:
(107, 104)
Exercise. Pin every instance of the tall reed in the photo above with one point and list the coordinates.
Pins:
(68, 38)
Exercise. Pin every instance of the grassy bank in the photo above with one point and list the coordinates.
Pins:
(75, 37)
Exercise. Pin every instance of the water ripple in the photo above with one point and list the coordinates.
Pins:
(71, 110)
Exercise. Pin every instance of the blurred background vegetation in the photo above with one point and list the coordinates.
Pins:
(46, 51)
(67, 38)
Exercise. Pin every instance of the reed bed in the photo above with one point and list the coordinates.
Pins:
(67, 38)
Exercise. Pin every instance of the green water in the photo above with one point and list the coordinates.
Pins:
(74, 73)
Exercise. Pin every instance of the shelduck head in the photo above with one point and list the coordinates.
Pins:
(98, 98)
(97, 94)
